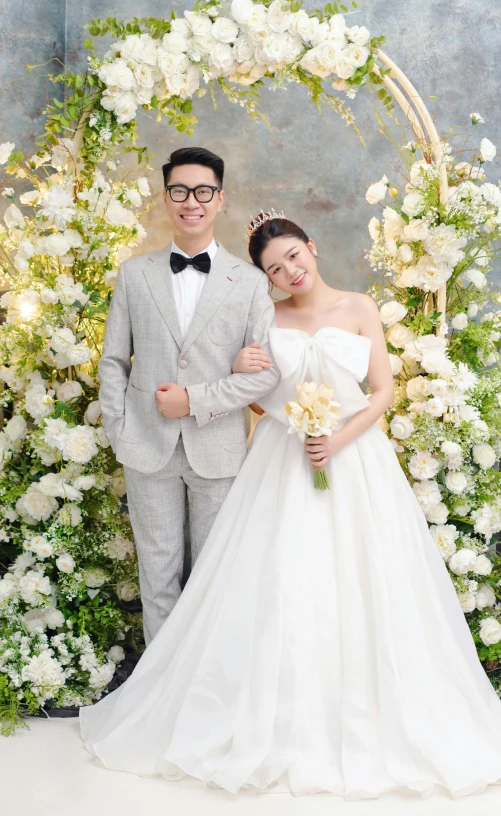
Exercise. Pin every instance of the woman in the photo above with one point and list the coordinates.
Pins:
(319, 644)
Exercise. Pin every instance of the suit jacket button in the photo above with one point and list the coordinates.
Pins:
(183, 364)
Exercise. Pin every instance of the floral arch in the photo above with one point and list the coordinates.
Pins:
(68, 566)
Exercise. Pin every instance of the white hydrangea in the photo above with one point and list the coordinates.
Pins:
(427, 493)
(45, 675)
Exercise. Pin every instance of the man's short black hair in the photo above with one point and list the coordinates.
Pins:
(194, 155)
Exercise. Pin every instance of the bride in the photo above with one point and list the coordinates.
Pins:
(319, 644)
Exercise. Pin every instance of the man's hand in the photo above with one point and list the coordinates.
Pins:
(172, 400)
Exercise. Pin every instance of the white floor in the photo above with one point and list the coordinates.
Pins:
(46, 771)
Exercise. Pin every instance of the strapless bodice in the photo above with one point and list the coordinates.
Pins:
(333, 356)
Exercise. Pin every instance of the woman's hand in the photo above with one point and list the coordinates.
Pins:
(251, 359)
(321, 448)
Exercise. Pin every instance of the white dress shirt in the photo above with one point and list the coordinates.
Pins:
(188, 286)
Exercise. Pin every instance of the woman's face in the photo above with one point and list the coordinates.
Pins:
(290, 264)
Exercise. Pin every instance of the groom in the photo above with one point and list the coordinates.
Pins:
(174, 413)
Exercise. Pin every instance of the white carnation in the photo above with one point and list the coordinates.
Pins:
(34, 504)
(485, 597)
(424, 465)
(79, 445)
(445, 536)
(427, 493)
(437, 514)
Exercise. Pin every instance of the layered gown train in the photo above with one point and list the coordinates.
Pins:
(319, 644)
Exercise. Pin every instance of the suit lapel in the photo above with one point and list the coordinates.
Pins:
(222, 277)
(158, 276)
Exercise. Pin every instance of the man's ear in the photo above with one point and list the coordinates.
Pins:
(221, 200)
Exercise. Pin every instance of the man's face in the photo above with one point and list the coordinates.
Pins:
(192, 218)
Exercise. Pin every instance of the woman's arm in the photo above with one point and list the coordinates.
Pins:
(380, 380)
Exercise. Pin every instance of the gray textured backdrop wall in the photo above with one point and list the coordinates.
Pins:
(312, 166)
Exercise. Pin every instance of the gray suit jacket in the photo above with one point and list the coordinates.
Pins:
(143, 348)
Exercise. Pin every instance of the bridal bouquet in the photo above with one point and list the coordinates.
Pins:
(313, 414)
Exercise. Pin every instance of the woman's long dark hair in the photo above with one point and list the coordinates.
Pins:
(273, 228)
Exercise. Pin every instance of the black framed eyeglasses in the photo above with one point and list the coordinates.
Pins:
(202, 192)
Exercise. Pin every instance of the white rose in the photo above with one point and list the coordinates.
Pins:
(463, 561)
(484, 455)
(5, 150)
(476, 277)
(345, 69)
(14, 218)
(84, 482)
(95, 578)
(418, 388)
(70, 515)
(119, 548)
(359, 35)
(127, 591)
(467, 601)
(242, 10)
(399, 336)
(462, 509)
(459, 321)
(175, 43)
(16, 428)
(34, 621)
(472, 310)
(102, 437)
(117, 74)
(375, 228)
(436, 362)
(415, 230)
(427, 493)
(118, 484)
(392, 312)
(405, 253)
(40, 546)
(437, 514)
(221, 58)
(65, 563)
(491, 193)
(224, 30)
(445, 536)
(487, 150)
(125, 108)
(393, 224)
(468, 413)
(396, 364)
(413, 204)
(423, 465)
(485, 597)
(410, 276)
(433, 274)
(140, 47)
(377, 191)
(53, 484)
(200, 24)
(490, 631)
(483, 565)
(279, 16)
(435, 407)
(116, 654)
(93, 413)
(456, 481)
(401, 426)
(356, 54)
(54, 618)
(71, 389)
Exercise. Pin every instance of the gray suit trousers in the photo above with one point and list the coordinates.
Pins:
(157, 507)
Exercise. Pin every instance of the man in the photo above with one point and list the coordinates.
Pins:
(174, 415)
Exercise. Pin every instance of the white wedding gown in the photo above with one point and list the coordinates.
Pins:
(319, 644)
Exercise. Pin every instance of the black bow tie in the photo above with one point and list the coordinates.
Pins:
(200, 262)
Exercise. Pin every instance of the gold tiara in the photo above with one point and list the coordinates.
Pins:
(261, 219)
